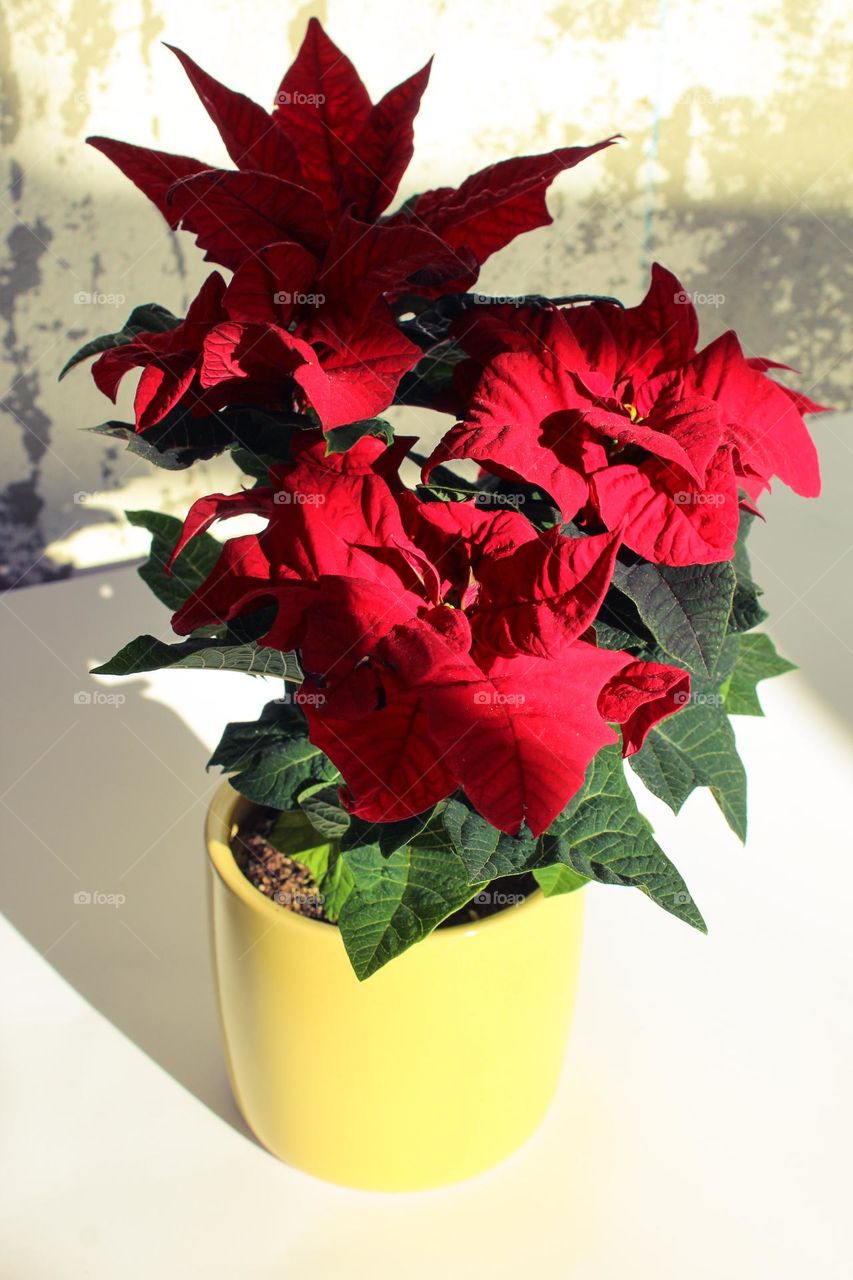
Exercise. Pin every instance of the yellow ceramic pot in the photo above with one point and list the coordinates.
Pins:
(433, 1069)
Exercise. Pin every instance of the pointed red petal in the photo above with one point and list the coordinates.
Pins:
(322, 107)
(267, 287)
(234, 215)
(495, 205)
(519, 735)
(241, 572)
(153, 172)
(763, 418)
(363, 263)
(249, 133)
(384, 147)
(219, 506)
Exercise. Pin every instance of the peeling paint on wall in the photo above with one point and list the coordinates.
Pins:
(735, 172)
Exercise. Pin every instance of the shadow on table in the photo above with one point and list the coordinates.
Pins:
(104, 803)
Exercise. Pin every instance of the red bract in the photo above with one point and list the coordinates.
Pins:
(442, 643)
(615, 415)
(297, 221)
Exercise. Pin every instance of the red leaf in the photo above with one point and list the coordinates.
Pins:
(640, 696)
(218, 506)
(241, 573)
(358, 379)
(666, 518)
(517, 735)
(321, 107)
(233, 215)
(267, 287)
(388, 759)
(249, 133)
(544, 594)
(495, 205)
(384, 147)
(153, 172)
(763, 419)
(363, 262)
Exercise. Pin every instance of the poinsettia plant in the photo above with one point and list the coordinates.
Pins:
(467, 663)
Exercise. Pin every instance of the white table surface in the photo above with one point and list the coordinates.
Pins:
(703, 1124)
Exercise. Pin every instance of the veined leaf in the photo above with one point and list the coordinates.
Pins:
(147, 653)
(602, 836)
(696, 748)
(150, 317)
(296, 838)
(192, 566)
(271, 759)
(559, 879)
(396, 901)
(342, 439)
(757, 660)
(746, 609)
(685, 609)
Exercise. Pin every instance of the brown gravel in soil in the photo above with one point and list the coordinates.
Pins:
(279, 877)
(290, 884)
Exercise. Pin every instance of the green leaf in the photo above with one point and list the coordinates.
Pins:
(618, 626)
(602, 836)
(431, 379)
(696, 748)
(324, 810)
(150, 317)
(559, 879)
(147, 653)
(685, 609)
(389, 836)
(746, 610)
(341, 439)
(396, 901)
(296, 837)
(271, 758)
(757, 659)
(192, 566)
(486, 852)
(336, 886)
(259, 439)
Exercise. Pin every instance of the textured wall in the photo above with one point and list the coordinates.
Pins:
(734, 173)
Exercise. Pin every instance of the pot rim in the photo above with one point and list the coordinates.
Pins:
(219, 818)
